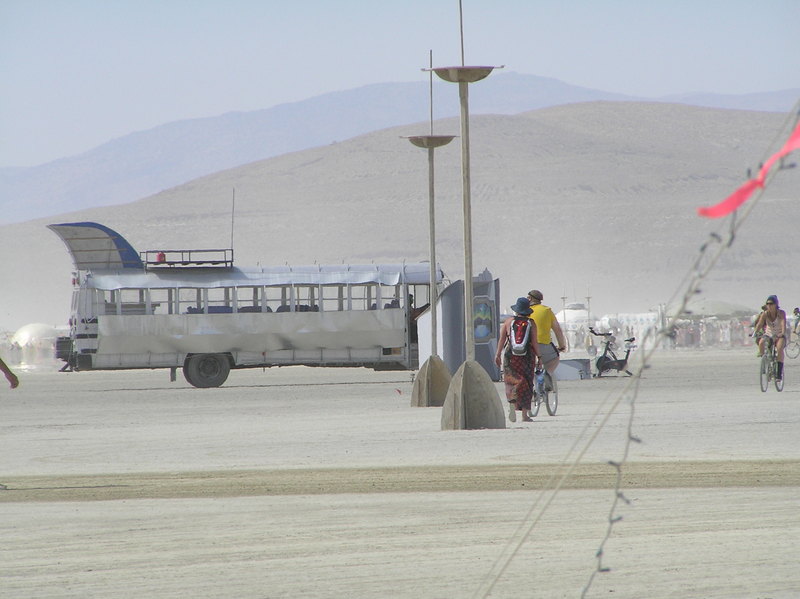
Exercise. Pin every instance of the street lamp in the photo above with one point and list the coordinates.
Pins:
(472, 400)
(465, 75)
(431, 385)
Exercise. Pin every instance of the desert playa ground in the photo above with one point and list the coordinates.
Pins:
(300, 482)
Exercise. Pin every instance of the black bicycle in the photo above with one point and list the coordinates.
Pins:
(768, 369)
(608, 360)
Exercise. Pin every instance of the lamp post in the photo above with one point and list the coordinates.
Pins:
(464, 75)
(472, 400)
(430, 387)
(431, 142)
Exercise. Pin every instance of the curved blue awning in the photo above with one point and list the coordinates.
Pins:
(96, 247)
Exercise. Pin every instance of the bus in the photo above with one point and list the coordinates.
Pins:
(195, 310)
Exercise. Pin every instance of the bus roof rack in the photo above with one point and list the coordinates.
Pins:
(164, 259)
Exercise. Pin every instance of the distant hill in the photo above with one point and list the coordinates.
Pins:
(146, 162)
(594, 198)
(777, 101)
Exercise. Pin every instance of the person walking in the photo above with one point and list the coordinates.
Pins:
(518, 356)
(545, 323)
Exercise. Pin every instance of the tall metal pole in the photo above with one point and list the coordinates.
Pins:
(431, 142)
(463, 94)
(464, 76)
(430, 369)
(432, 251)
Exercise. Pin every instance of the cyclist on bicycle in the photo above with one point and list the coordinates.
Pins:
(773, 323)
(545, 322)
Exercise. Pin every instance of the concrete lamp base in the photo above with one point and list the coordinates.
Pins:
(431, 384)
(472, 401)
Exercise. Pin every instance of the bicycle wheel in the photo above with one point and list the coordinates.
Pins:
(600, 364)
(793, 349)
(535, 403)
(551, 394)
(764, 372)
(778, 381)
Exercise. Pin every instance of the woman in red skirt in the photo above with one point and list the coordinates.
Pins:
(518, 355)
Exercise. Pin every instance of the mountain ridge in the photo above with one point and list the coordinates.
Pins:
(141, 163)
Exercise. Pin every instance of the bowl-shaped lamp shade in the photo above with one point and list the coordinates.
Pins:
(463, 74)
(430, 141)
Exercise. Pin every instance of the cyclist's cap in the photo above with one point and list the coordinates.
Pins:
(536, 294)
(772, 299)
(523, 306)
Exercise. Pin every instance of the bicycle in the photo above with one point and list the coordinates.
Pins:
(768, 369)
(545, 391)
(608, 360)
(793, 349)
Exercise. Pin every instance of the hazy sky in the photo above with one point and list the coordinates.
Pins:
(77, 73)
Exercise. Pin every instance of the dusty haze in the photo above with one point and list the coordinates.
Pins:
(594, 198)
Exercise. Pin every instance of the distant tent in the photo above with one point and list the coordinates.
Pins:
(34, 334)
(34, 343)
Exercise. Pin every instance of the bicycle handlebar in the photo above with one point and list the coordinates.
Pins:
(593, 332)
(609, 334)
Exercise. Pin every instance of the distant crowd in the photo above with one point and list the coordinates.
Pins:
(706, 332)
(711, 332)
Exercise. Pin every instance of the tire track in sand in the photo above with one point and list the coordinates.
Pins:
(413, 479)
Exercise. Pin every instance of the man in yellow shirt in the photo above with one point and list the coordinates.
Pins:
(545, 322)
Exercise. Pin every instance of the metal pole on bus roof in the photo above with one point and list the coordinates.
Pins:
(233, 211)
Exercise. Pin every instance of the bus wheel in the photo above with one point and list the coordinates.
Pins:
(206, 370)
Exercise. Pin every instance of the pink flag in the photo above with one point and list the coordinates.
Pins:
(732, 202)
(792, 144)
(741, 195)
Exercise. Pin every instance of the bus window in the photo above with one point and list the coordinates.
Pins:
(126, 301)
(333, 298)
(363, 297)
(390, 296)
(306, 298)
(270, 298)
(218, 300)
(160, 301)
(188, 301)
(248, 299)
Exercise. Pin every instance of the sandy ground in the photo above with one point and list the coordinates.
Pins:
(301, 482)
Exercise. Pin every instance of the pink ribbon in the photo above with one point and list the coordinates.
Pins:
(741, 195)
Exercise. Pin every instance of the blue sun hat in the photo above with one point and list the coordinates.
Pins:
(773, 299)
(522, 307)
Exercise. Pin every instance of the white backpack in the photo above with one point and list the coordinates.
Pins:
(518, 337)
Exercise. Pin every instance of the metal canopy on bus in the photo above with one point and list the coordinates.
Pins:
(94, 246)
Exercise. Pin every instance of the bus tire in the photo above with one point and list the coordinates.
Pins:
(206, 370)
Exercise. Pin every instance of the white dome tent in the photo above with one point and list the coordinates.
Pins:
(34, 344)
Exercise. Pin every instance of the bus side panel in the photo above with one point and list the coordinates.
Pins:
(250, 332)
